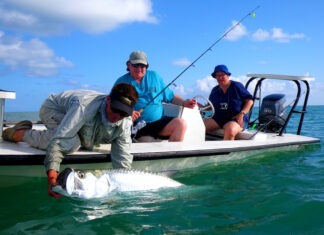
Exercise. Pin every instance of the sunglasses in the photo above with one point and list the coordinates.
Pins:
(139, 65)
(220, 75)
(121, 113)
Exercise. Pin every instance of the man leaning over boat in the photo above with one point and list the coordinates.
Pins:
(81, 118)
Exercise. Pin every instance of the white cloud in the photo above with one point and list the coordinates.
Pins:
(279, 36)
(238, 31)
(182, 62)
(317, 95)
(33, 57)
(59, 16)
(205, 85)
(261, 35)
(276, 34)
(180, 90)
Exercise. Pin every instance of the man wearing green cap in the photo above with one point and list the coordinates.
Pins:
(81, 118)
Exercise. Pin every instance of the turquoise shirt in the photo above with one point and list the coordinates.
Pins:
(151, 84)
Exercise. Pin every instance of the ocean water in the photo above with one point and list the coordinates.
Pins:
(270, 193)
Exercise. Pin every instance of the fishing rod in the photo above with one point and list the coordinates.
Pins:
(201, 55)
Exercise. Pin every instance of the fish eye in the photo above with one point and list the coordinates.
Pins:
(81, 174)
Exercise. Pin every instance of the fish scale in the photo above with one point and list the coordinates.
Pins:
(134, 180)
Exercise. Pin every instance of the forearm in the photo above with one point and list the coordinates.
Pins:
(247, 106)
(189, 103)
(57, 149)
(53, 158)
(177, 100)
(120, 152)
(245, 109)
(121, 159)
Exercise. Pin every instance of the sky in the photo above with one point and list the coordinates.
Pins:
(49, 46)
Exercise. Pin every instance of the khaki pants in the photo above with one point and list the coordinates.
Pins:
(41, 138)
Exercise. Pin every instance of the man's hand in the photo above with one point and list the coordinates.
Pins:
(135, 115)
(51, 181)
(239, 118)
(190, 103)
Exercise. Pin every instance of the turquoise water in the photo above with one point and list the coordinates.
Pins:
(271, 193)
(18, 116)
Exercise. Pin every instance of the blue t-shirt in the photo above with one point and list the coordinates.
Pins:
(151, 84)
(228, 104)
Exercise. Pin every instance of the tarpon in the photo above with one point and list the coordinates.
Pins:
(99, 183)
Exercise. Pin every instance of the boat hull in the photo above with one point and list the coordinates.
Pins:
(22, 160)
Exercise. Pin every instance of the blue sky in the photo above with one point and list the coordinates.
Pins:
(54, 45)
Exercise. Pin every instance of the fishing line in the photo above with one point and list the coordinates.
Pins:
(252, 13)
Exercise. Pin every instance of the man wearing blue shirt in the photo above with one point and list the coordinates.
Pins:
(149, 84)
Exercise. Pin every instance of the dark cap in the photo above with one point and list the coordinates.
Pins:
(123, 98)
(222, 68)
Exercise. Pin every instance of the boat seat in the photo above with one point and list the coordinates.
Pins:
(148, 138)
(195, 126)
(244, 135)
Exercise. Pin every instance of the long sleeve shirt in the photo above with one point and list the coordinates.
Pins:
(85, 124)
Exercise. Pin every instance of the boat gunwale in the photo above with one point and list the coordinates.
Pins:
(86, 157)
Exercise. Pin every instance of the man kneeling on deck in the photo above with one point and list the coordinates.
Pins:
(81, 118)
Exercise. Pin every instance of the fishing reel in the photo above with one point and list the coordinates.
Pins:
(205, 107)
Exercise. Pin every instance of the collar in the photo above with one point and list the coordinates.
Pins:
(104, 119)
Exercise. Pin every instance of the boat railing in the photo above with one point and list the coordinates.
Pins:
(298, 80)
(3, 96)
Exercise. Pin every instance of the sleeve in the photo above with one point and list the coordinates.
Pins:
(65, 139)
(212, 97)
(245, 94)
(126, 78)
(120, 147)
(168, 94)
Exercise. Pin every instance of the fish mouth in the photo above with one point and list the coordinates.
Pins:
(63, 177)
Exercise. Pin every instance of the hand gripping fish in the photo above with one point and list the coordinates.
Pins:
(99, 183)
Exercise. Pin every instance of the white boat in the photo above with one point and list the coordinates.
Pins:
(268, 133)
